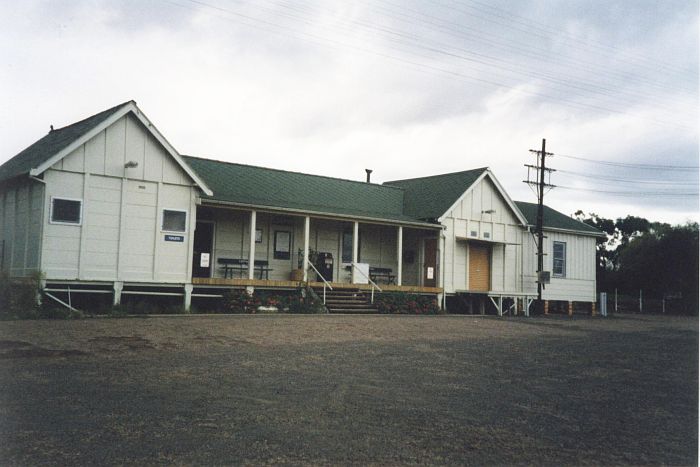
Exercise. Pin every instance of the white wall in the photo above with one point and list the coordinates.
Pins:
(21, 209)
(579, 283)
(501, 228)
(120, 237)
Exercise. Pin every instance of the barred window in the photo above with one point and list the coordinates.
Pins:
(559, 259)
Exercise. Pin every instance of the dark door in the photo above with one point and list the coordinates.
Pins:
(203, 245)
(430, 263)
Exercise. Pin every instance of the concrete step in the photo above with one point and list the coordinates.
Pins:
(353, 306)
(356, 311)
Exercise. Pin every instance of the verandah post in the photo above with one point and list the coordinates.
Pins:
(251, 253)
(355, 240)
(399, 255)
(307, 226)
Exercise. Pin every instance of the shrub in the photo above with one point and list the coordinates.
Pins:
(238, 301)
(403, 303)
(306, 301)
(299, 301)
(18, 296)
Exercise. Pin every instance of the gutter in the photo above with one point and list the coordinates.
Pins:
(321, 213)
(576, 232)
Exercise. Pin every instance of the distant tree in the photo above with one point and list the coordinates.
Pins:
(638, 254)
(663, 262)
(603, 246)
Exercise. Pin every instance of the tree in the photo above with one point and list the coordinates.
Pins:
(656, 257)
(663, 262)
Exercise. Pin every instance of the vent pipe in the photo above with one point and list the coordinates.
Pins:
(369, 173)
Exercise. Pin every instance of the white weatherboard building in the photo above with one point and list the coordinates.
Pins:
(107, 205)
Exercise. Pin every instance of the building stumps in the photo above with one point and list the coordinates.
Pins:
(118, 287)
(188, 296)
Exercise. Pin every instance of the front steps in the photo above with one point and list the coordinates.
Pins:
(347, 301)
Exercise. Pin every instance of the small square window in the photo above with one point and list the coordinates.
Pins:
(66, 211)
(174, 221)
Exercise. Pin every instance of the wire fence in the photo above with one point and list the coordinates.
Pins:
(618, 302)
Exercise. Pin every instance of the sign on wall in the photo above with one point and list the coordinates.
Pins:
(204, 260)
(174, 238)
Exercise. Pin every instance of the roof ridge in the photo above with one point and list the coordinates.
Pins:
(53, 142)
(381, 185)
(437, 175)
(111, 109)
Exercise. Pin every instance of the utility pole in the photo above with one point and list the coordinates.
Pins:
(541, 170)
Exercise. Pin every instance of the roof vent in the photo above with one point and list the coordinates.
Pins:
(369, 174)
(51, 129)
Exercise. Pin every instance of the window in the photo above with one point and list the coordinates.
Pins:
(347, 247)
(559, 259)
(66, 211)
(174, 221)
(283, 241)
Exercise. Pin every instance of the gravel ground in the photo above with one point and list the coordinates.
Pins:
(349, 390)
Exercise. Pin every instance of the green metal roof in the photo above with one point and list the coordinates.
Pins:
(430, 197)
(554, 219)
(51, 144)
(273, 188)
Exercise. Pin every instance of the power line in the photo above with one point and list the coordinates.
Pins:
(627, 180)
(529, 50)
(324, 41)
(634, 193)
(568, 82)
(529, 29)
(641, 59)
(630, 165)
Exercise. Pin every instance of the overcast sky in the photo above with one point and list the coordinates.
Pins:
(407, 88)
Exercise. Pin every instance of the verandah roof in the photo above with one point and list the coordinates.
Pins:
(264, 187)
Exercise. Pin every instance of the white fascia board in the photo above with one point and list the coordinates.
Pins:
(129, 107)
(171, 150)
(531, 229)
(80, 141)
(459, 200)
(576, 232)
(510, 202)
(499, 187)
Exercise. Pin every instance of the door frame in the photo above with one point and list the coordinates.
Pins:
(213, 245)
(424, 266)
(489, 258)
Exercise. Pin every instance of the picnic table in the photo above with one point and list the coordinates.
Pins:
(382, 274)
(240, 266)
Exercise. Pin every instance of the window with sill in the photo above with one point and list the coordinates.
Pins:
(174, 221)
(559, 259)
(66, 211)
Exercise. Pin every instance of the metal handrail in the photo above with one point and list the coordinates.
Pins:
(325, 282)
(374, 286)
